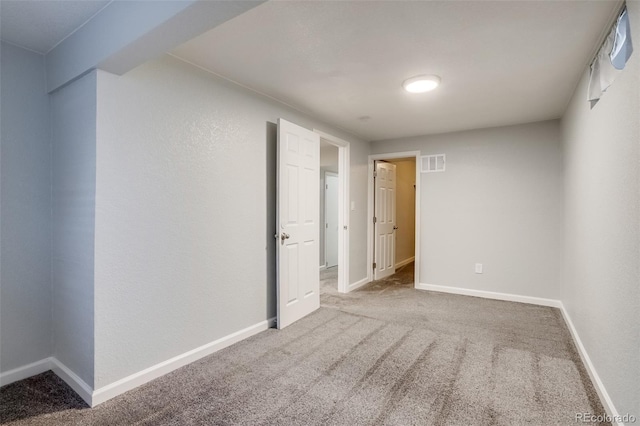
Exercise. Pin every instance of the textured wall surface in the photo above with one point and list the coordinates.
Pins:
(25, 322)
(358, 182)
(498, 203)
(405, 208)
(185, 212)
(602, 236)
(73, 133)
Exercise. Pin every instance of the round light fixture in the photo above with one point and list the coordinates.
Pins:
(421, 83)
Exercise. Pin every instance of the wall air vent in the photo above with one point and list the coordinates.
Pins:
(432, 163)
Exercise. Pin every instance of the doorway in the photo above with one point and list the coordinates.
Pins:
(329, 179)
(331, 219)
(394, 214)
(335, 172)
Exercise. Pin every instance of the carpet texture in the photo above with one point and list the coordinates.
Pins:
(329, 281)
(384, 355)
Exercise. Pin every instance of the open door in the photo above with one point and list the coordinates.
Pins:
(297, 227)
(385, 220)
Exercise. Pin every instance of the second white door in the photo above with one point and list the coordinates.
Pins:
(385, 220)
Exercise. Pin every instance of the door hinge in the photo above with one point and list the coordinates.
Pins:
(374, 265)
(375, 173)
(326, 187)
(375, 219)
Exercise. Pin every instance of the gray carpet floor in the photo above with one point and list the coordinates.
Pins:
(329, 281)
(383, 355)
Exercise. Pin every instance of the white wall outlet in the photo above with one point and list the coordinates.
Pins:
(353, 205)
(478, 268)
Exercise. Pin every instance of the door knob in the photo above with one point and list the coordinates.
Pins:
(284, 236)
(395, 227)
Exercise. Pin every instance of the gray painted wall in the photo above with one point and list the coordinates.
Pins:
(602, 233)
(498, 203)
(25, 289)
(358, 183)
(73, 133)
(185, 209)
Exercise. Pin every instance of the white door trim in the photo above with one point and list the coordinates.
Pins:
(344, 171)
(370, 207)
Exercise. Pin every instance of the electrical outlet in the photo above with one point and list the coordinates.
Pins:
(478, 268)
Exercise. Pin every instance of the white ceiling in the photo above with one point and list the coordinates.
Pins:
(40, 25)
(501, 63)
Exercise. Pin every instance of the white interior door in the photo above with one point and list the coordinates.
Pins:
(298, 277)
(331, 219)
(385, 220)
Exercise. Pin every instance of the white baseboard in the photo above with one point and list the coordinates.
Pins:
(72, 379)
(405, 262)
(25, 371)
(595, 379)
(491, 295)
(358, 284)
(130, 382)
(323, 267)
(109, 391)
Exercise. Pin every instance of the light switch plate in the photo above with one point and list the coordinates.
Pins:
(478, 268)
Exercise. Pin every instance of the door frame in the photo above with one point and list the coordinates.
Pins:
(324, 226)
(344, 171)
(370, 210)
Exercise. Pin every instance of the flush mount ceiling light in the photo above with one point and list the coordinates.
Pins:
(421, 83)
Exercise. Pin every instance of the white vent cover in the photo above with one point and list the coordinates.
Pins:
(432, 163)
